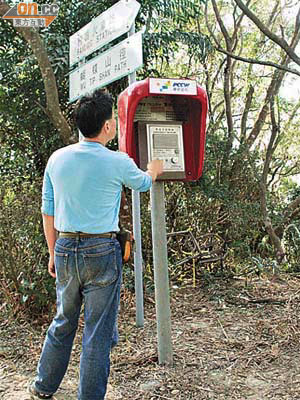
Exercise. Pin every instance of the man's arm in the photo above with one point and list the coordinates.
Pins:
(50, 234)
(137, 179)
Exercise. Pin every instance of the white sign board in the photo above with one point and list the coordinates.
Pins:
(122, 59)
(172, 86)
(109, 25)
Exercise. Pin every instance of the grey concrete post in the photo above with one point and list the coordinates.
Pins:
(161, 276)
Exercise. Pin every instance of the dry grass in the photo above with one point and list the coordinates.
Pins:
(230, 341)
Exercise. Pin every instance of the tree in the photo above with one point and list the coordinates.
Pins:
(52, 109)
(289, 49)
(254, 130)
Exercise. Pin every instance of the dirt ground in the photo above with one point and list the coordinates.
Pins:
(231, 340)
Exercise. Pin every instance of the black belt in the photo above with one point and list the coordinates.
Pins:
(110, 235)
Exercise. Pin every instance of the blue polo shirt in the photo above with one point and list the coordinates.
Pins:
(83, 184)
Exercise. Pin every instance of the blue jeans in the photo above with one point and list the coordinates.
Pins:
(88, 270)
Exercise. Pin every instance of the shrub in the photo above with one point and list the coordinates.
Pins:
(25, 284)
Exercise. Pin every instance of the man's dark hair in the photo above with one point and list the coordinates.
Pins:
(92, 111)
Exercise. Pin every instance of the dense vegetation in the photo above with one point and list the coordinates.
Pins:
(248, 194)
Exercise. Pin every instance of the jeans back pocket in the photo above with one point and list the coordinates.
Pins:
(101, 267)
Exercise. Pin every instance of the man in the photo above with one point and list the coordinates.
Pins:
(81, 201)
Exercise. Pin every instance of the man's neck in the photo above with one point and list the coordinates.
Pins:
(96, 140)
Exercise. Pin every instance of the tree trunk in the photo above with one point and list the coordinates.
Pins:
(53, 109)
(273, 142)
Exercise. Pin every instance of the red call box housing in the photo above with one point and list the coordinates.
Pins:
(189, 109)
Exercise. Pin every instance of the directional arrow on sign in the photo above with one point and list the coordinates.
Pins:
(109, 25)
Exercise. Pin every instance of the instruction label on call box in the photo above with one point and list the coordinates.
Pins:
(165, 142)
(162, 108)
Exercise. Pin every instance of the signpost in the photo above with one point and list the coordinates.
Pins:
(108, 26)
(121, 60)
(137, 234)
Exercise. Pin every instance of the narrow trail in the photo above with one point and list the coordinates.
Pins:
(13, 385)
(232, 340)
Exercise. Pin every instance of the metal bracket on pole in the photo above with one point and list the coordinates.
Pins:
(161, 276)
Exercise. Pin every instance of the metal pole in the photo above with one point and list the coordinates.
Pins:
(136, 217)
(161, 276)
(138, 260)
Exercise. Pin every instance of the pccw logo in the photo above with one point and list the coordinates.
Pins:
(32, 15)
(180, 85)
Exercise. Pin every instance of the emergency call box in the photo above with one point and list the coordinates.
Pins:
(164, 119)
(161, 141)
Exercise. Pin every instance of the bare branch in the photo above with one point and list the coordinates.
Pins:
(272, 91)
(254, 61)
(222, 26)
(272, 143)
(297, 22)
(278, 40)
(237, 25)
(292, 116)
(273, 13)
(227, 77)
(249, 98)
